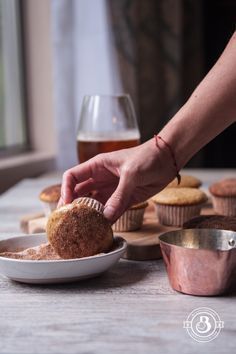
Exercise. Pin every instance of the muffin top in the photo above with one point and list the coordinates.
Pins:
(224, 188)
(211, 222)
(51, 193)
(186, 181)
(180, 196)
(139, 206)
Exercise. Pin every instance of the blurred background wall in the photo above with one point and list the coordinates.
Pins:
(158, 51)
(84, 62)
(53, 52)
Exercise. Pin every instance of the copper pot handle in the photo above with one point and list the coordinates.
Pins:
(232, 243)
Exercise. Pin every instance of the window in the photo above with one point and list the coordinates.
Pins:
(18, 158)
(13, 132)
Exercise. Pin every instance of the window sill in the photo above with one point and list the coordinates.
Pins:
(30, 164)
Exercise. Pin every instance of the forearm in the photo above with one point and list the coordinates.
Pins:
(210, 109)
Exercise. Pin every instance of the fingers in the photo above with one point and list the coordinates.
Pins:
(70, 178)
(84, 188)
(60, 203)
(100, 190)
(69, 182)
(92, 175)
(120, 199)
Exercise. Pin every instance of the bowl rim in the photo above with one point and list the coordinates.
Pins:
(121, 247)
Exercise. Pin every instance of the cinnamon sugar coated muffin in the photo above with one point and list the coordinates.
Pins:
(79, 229)
(50, 197)
(132, 219)
(224, 196)
(186, 181)
(177, 205)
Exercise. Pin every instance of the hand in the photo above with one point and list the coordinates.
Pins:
(126, 177)
(120, 178)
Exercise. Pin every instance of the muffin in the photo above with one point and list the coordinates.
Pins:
(50, 197)
(186, 181)
(79, 229)
(211, 222)
(177, 205)
(132, 219)
(224, 196)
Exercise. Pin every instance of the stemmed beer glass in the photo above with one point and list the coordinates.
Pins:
(107, 123)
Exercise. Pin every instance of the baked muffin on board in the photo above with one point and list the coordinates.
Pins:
(79, 229)
(132, 219)
(50, 197)
(177, 205)
(186, 181)
(224, 196)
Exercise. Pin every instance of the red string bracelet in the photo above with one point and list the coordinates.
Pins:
(172, 154)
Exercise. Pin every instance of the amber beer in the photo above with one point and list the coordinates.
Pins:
(90, 146)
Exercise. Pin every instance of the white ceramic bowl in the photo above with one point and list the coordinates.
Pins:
(55, 271)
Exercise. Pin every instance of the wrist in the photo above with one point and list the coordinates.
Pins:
(178, 134)
(158, 140)
(161, 158)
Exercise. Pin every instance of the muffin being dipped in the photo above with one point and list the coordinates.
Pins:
(79, 229)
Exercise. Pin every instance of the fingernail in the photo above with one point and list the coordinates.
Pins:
(60, 203)
(109, 212)
(62, 195)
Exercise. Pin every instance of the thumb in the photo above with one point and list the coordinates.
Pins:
(119, 201)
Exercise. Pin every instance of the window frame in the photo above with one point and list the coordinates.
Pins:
(37, 47)
(14, 149)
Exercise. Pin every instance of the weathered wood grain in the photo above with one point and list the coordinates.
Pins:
(130, 309)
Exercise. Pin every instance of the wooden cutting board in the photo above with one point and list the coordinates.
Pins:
(142, 244)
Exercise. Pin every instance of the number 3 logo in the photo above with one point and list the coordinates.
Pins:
(204, 325)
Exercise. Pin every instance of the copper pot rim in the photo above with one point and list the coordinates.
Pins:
(197, 231)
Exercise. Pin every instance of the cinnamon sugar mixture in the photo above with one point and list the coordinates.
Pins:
(41, 252)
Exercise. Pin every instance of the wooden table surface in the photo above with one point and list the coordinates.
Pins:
(129, 309)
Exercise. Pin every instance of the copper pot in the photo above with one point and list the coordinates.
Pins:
(200, 261)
